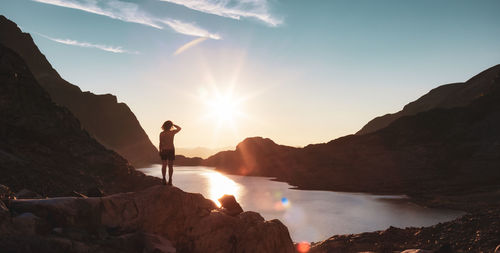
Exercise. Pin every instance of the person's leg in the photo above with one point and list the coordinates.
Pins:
(170, 171)
(163, 170)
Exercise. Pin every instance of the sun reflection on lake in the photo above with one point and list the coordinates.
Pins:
(220, 185)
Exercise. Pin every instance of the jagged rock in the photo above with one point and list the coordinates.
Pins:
(27, 194)
(189, 221)
(229, 205)
(476, 232)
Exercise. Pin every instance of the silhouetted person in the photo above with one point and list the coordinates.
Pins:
(167, 150)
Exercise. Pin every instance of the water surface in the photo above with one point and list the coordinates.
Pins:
(309, 215)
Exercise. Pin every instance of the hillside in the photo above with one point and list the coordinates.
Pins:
(254, 156)
(113, 124)
(444, 96)
(43, 146)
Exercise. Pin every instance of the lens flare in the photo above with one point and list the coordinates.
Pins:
(303, 247)
(282, 204)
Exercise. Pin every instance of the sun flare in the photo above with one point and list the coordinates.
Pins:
(224, 108)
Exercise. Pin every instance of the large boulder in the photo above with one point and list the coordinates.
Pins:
(189, 221)
(229, 205)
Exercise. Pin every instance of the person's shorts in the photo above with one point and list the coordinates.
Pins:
(167, 154)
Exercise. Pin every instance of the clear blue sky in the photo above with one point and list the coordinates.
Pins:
(309, 71)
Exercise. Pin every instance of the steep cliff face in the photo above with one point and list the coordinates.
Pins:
(157, 219)
(43, 146)
(445, 96)
(440, 150)
(113, 124)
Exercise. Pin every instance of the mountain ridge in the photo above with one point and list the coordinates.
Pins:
(431, 151)
(444, 96)
(111, 123)
(43, 146)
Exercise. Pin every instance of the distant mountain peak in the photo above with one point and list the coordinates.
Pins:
(445, 96)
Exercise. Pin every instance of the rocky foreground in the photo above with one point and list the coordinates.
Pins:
(157, 219)
(478, 232)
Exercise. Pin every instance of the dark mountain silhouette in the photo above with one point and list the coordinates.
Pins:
(43, 146)
(113, 124)
(248, 156)
(445, 96)
(432, 151)
(200, 151)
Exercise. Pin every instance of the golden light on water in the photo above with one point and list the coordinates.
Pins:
(220, 185)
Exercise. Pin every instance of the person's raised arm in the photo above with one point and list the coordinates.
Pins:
(177, 128)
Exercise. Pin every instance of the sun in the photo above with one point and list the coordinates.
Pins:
(223, 107)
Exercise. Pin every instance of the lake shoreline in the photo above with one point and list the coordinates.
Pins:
(446, 198)
(353, 204)
(462, 234)
(475, 232)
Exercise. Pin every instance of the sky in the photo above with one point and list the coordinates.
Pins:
(295, 71)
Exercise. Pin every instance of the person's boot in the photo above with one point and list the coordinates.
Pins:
(163, 182)
(170, 181)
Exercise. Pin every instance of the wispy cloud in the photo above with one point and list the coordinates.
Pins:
(189, 29)
(112, 49)
(130, 12)
(189, 45)
(235, 9)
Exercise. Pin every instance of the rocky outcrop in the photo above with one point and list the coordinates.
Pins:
(476, 232)
(43, 146)
(445, 96)
(156, 217)
(255, 156)
(111, 123)
(229, 205)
